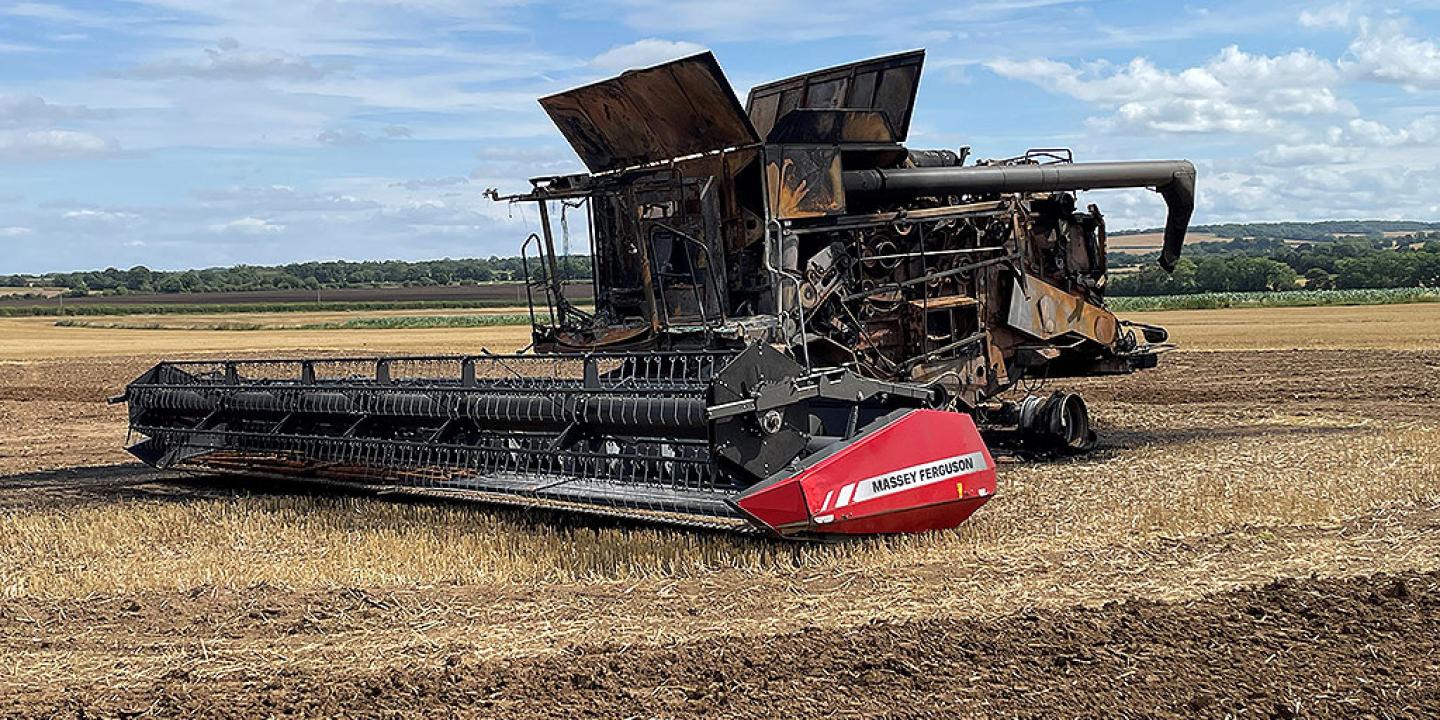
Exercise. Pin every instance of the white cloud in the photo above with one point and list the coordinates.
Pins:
(1387, 192)
(356, 218)
(1239, 190)
(466, 74)
(509, 166)
(91, 213)
(918, 23)
(422, 183)
(1338, 15)
(437, 214)
(18, 111)
(1383, 52)
(342, 137)
(350, 137)
(1235, 92)
(281, 199)
(1358, 141)
(248, 226)
(59, 15)
(644, 53)
(90, 220)
(227, 61)
(314, 71)
(43, 145)
(14, 231)
(1421, 131)
(1307, 154)
(19, 48)
(733, 17)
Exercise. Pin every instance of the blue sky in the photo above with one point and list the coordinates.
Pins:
(186, 133)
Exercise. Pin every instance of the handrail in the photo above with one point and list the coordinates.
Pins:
(711, 286)
(529, 293)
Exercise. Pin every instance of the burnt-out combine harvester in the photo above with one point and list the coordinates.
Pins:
(800, 325)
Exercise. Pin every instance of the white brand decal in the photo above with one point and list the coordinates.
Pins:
(917, 476)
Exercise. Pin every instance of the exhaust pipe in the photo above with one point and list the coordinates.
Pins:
(1173, 179)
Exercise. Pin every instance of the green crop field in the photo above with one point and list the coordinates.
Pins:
(1292, 298)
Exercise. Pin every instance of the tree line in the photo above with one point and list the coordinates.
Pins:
(1318, 231)
(1343, 254)
(296, 276)
(1251, 264)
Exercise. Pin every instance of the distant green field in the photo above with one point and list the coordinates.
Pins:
(1291, 298)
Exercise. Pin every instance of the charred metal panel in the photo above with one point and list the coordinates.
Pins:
(1046, 312)
(808, 125)
(803, 182)
(886, 84)
(672, 110)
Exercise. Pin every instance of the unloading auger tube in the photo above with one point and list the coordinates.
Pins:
(801, 326)
(1173, 179)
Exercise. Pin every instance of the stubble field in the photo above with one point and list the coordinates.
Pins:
(1257, 536)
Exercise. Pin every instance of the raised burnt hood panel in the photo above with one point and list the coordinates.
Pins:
(667, 111)
(886, 84)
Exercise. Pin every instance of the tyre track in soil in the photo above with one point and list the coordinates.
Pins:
(1313, 648)
(1309, 648)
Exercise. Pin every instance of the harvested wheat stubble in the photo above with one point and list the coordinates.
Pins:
(1291, 648)
(1167, 469)
(1223, 468)
(213, 632)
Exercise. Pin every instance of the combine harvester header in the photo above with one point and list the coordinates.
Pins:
(801, 326)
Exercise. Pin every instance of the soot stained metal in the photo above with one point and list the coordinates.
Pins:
(801, 326)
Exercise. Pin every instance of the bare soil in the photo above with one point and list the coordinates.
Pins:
(1318, 648)
(1258, 536)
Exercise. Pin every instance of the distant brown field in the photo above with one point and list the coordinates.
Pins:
(487, 292)
(1151, 242)
(273, 320)
(37, 338)
(1386, 233)
(12, 293)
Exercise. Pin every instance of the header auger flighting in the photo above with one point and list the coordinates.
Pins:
(800, 325)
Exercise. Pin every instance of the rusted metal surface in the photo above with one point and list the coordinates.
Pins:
(804, 182)
(887, 84)
(668, 111)
(1046, 312)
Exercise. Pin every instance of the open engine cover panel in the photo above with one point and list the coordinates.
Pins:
(887, 84)
(668, 111)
